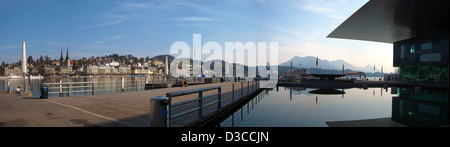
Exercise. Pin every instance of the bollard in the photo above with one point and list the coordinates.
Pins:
(9, 87)
(123, 85)
(44, 91)
(159, 111)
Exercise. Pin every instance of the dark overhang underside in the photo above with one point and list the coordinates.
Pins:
(390, 21)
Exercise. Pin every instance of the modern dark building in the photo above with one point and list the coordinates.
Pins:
(418, 30)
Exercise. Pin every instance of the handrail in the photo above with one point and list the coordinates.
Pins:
(69, 83)
(200, 99)
(69, 87)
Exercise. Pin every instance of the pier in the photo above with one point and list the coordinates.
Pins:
(129, 109)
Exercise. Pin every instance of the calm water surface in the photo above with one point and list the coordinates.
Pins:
(308, 107)
(103, 84)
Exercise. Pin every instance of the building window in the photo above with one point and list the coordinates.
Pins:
(412, 50)
(433, 57)
(426, 45)
(402, 51)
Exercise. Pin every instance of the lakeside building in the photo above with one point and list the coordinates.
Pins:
(10, 70)
(90, 70)
(417, 29)
(107, 65)
(46, 70)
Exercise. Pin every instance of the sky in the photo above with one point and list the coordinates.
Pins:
(149, 28)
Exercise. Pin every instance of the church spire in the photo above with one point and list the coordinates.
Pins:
(67, 53)
(68, 63)
(61, 59)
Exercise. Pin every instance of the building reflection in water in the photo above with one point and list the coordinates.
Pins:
(415, 107)
(293, 107)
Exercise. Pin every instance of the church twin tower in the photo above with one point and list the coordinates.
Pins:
(65, 62)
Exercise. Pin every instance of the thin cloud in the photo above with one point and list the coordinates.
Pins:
(104, 40)
(119, 20)
(11, 46)
(123, 12)
(335, 9)
(193, 19)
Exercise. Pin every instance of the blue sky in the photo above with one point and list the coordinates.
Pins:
(148, 28)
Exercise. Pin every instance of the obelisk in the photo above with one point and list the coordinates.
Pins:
(167, 65)
(24, 59)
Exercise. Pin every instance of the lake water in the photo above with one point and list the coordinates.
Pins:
(308, 107)
(103, 84)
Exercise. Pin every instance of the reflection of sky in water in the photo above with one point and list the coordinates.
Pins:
(304, 109)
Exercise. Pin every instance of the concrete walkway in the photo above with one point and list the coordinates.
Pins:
(22, 111)
(129, 109)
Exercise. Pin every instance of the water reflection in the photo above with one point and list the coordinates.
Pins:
(415, 107)
(308, 107)
(240, 114)
(327, 91)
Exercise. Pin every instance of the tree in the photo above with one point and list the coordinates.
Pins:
(41, 60)
(30, 60)
(47, 59)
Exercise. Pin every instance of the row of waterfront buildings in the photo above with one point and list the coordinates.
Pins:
(48, 70)
(101, 67)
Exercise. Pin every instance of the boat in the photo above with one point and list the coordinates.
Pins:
(36, 77)
(12, 76)
(262, 78)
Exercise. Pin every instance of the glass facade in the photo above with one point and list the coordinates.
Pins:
(423, 58)
(426, 46)
(402, 51)
(425, 73)
(433, 57)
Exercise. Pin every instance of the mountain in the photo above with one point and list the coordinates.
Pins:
(310, 62)
(163, 58)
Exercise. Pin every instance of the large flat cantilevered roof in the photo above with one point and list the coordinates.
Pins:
(390, 21)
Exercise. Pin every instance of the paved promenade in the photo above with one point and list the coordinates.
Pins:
(129, 109)
(22, 111)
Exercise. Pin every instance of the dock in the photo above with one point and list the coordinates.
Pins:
(129, 109)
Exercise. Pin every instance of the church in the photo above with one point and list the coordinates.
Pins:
(65, 66)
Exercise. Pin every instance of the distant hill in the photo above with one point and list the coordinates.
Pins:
(310, 62)
(163, 58)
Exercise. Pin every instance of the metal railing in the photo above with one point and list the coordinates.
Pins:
(70, 87)
(200, 99)
(239, 115)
